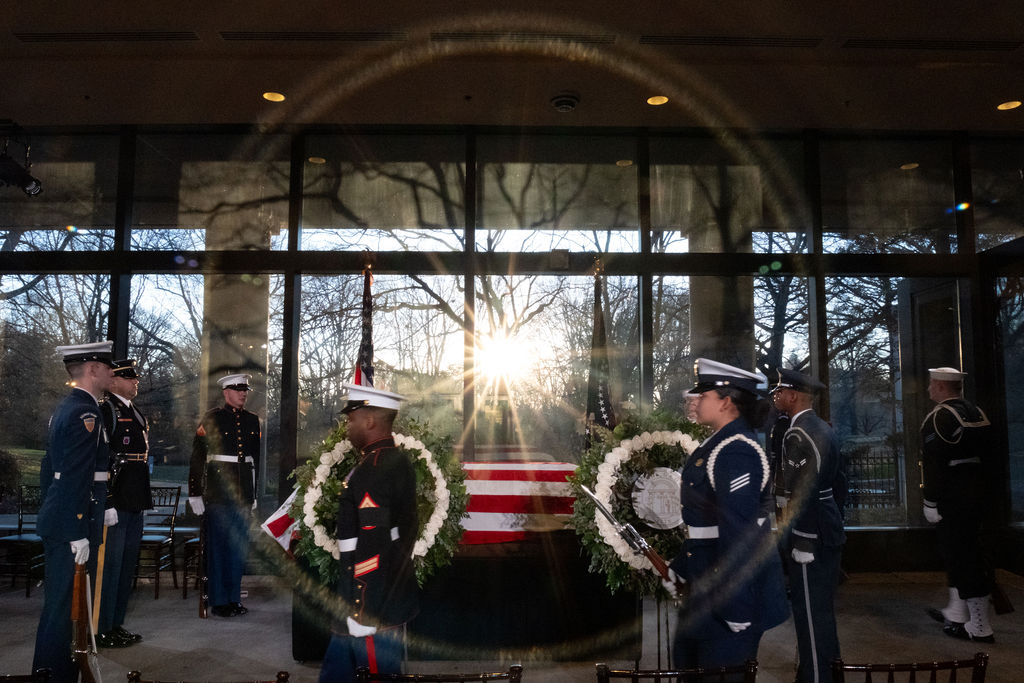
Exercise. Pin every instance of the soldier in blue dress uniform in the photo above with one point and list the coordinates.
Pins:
(222, 487)
(128, 495)
(729, 559)
(376, 530)
(814, 488)
(955, 440)
(67, 474)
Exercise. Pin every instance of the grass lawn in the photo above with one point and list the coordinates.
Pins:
(28, 463)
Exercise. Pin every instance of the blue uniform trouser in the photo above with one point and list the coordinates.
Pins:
(728, 650)
(227, 539)
(53, 638)
(120, 557)
(381, 653)
(812, 588)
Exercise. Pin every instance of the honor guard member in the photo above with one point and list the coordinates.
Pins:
(729, 559)
(376, 529)
(222, 485)
(67, 473)
(128, 494)
(955, 437)
(814, 487)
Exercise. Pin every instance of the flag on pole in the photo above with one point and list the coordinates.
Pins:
(364, 363)
(281, 527)
(599, 404)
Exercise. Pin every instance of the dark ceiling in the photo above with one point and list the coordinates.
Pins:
(766, 65)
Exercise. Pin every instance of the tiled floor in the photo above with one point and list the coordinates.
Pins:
(882, 619)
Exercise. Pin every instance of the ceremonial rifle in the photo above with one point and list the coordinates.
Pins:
(203, 578)
(83, 646)
(637, 542)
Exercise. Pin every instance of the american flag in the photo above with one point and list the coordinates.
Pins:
(364, 363)
(599, 404)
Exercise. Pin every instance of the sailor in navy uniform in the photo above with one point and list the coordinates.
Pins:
(814, 487)
(955, 438)
(729, 559)
(77, 441)
(128, 495)
(376, 530)
(222, 486)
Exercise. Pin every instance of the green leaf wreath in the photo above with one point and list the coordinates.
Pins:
(435, 546)
(658, 426)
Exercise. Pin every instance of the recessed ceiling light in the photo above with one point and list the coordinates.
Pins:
(624, 163)
(909, 167)
(656, 100)
(1006, 106)
(271, 96)
(316, 160)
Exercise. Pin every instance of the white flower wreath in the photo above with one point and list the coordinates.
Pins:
(334, 456)
(607, 474)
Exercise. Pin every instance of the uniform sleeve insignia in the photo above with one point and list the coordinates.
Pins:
(366, 566)
(200, 431)
(79, 515)
(368, 502)
(89, 423)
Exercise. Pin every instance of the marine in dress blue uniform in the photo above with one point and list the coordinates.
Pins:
(77, 441)
(222, 487)
(128, 494)
(729, 558)
(955, 440)
(376, 530)
(814, 488)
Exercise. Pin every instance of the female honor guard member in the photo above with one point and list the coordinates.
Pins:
(814, 486)
(729, 558)
(129, 495)
(376, 531)
(222, 484)
(67, 473)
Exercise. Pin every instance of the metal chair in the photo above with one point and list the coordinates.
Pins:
(156, 554)
(928, 671)
(514, 674)
(746, 672)
(21, 553)
(37, 676)
(136, 677)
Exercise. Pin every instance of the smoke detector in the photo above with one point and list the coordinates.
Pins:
(565, 101)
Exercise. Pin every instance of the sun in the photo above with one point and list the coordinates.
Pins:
(503, 359)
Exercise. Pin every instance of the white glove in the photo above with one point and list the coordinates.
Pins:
(109, 517)
(196, 503)
(254, 506)
(80, 549)
(780, 501)
(736, 627)
(671, 584)
(932, 515)
(358, 630)
(801, 557)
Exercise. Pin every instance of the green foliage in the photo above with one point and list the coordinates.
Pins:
(447, 540)
(10, 480)
(667, 542)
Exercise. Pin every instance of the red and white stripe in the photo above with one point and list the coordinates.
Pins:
(511, 500)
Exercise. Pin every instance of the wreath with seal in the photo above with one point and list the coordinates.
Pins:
(441, 500)
(624, 468)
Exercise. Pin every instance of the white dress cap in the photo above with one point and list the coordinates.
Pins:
(101, 352)
(947, 374)
(235, 382)
(360, 396)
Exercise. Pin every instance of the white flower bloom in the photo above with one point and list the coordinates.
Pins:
(647, 440)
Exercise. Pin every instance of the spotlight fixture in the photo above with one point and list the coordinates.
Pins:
(14, 174)
(565, 101)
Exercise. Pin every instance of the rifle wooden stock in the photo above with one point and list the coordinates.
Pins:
(80, 650)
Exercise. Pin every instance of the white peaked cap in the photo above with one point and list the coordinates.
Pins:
(360, 396)
(946, 374)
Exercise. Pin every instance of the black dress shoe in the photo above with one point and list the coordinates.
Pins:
(238, 609)
(955, 630)
(223, 611)
(127, 635)
(111, 639)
